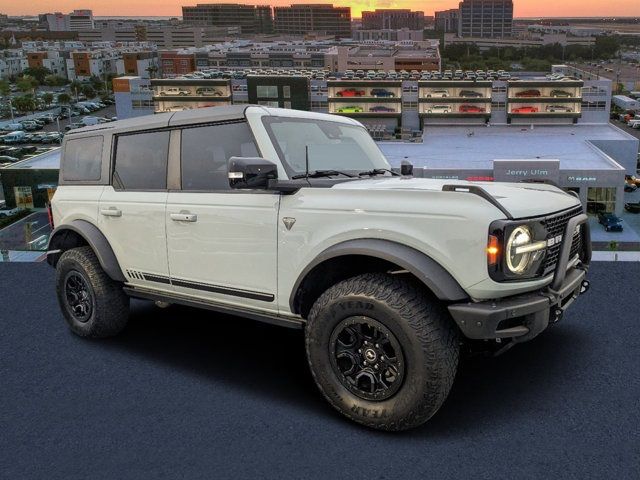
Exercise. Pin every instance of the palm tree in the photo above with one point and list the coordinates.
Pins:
(47, 98)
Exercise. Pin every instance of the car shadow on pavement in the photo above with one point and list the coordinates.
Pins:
(270, 361)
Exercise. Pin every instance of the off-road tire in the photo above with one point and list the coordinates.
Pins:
(427, 337)
(109, 303)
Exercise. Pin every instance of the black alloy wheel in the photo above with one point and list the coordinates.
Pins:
(78, 295)
(367, 358)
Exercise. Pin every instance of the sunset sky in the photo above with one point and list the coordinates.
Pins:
(523, 8)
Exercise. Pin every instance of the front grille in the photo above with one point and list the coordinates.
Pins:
(556, 225)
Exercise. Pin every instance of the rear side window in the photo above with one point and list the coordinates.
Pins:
(141, 161)
(82, 159)
(206, 151)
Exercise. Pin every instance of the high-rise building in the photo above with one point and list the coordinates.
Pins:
(250, 18)
(76, 20)
(264, 19)
(448, 20)
(392, 19)
(299, 19)
(486, 18)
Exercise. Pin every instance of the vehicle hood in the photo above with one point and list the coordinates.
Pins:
(519, 199)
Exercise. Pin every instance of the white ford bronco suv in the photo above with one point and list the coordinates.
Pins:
(295, 218)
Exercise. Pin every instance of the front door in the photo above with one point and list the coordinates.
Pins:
(222, 243)
(132, 212)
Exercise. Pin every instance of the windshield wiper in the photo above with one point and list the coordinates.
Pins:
(321, 173)
(378, 171)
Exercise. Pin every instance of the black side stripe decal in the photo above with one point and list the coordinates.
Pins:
(265, 297)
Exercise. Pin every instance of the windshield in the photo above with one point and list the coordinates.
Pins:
(330, 145)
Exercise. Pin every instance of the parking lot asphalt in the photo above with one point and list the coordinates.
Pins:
(189, 394)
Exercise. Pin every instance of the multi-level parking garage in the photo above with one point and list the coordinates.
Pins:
(465, 125)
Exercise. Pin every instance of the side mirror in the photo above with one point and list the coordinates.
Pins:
(406, 169)
(251, 172)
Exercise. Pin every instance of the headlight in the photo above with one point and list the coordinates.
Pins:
(520, 250)
(517, 259)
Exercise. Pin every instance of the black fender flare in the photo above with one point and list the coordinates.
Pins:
(427, 270)
(96, 240)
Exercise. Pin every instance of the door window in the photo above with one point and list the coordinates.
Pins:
(141, 161)
(207, 150)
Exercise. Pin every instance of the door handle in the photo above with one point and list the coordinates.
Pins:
(184, 217)
(111, 212)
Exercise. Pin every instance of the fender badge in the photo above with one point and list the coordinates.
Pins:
(288, 222)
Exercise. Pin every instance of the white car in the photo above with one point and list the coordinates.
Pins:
(175, 91)
(439, 109)
(296, 219)
(437, 94)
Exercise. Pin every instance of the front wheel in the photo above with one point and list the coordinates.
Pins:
(92, 303)
(382, 351)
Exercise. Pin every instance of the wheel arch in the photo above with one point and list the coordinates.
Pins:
(81, 232)
(353, 257)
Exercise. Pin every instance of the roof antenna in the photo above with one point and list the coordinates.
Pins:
(306, 161)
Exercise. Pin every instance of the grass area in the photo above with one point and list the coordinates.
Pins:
(5, 222)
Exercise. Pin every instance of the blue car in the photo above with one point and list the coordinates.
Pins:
(381, 92)
(610, 222)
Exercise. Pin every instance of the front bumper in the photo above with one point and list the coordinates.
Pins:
(522, 317)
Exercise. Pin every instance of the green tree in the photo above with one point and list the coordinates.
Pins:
(26, 83)
(64, 99)
(88, 91)
(55, 81)
(47, 98)
(39, 73)
(24, 103)
(4, 88)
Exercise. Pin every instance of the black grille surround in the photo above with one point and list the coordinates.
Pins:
(555, 226)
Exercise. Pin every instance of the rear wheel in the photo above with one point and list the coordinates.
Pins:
(92, 303)
(382, 351)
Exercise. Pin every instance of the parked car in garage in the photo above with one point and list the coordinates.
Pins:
(470, 94)
(526, 109)
(382, 92)
(558, 109)
(438, 94)
(351, 92)
(438, 109)
(560, 94)
(471, 109)
(175, 91)
(350, 109)
(209, 92)
(528, 93)
(632, 207)
(610, 222)
(382, 109)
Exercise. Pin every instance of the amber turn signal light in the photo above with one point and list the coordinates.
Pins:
(492, 250)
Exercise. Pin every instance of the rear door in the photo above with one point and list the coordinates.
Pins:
(222, 243)
(132, 210)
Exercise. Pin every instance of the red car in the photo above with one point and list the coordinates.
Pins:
(471, 109)
(528, 93)
(350, 92)
(525, 110)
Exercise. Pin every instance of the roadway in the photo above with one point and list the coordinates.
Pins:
(189, 394)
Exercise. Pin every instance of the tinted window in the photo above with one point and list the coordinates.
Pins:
(82, 159)
(206, 151)
(141, 161)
